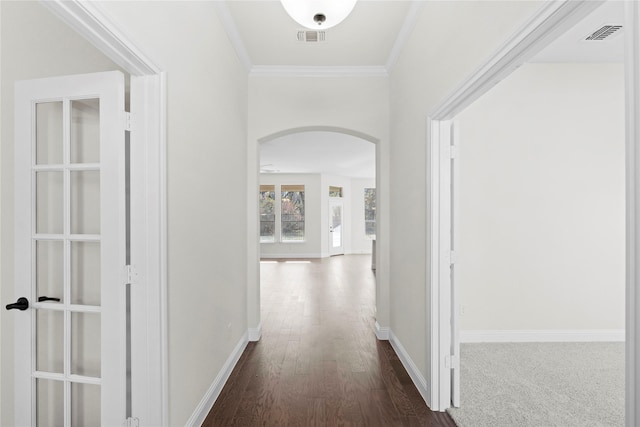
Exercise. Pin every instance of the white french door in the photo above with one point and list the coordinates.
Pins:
(70, 250)
(336, 227)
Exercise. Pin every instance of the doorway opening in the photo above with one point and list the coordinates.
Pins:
(534, 36)
(321, 164)
(540, 261)
(146, 212)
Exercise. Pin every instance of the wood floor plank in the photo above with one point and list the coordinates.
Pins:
(318, 362)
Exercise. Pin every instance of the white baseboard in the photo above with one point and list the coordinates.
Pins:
(205, 405)
(416, 376)
(578, 335)
(291, 256)
(382, 332)
(255, 333)
(357, 252)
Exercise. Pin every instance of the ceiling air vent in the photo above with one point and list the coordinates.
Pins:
(605, 32)
(311, 36)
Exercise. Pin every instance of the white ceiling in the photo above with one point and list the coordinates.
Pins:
(367, 42)
(572, 47)
(371, 36)
(319, 152)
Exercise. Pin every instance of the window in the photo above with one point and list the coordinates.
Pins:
(335, 191)
(292, 213)
(370, 212)
(267, 213)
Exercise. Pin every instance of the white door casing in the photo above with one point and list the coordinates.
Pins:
(148, 187)
(454, 152)
(551, 20)
(107, 231)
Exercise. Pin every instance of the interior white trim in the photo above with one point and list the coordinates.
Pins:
(292, 131)
(551, 20)
(632, 109)
(404, 33)
(151, 395)
(88, 19)
(328, 71)
(209, 398)
(382, 332)
(255, 334)
(412, 369)
(231, 29)
(317, 71)
(357, 252)
(568, 335)
(163, 250)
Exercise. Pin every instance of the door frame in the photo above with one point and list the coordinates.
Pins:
(335, 201)
(551, 20)
(148, 189)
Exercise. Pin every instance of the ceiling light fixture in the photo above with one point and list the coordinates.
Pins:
(315, 14)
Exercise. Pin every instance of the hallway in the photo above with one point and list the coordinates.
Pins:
(319, 362)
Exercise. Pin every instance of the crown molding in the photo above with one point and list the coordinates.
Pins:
(317, 71)
(232, 32)
(405, 32)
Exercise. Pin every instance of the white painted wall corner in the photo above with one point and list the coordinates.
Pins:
(209, 398)
(255, 333)
(382, 332)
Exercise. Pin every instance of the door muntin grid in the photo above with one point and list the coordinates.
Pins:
(66, 242)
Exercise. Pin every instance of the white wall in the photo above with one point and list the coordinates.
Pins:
(543, 202)
(34, 44)
(449, 41)
(316, 242)
(207, 178)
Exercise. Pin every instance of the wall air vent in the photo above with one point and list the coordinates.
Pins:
(311, 36)
(605, 32)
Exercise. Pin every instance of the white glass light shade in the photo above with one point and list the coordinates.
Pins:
(318, 14)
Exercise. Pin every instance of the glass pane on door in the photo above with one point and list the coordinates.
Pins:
(85, 273)
(85, 405)
(85, 344)
(85, 202)
(336, 226)
(49, 133)
(50, 403)
(50, 341)
(50, 269)
(85, 131)
(49, 202)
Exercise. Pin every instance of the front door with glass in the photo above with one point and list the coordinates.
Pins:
(336, 228)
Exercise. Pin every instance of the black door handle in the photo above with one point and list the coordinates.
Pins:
(21, 304)
(43, 298)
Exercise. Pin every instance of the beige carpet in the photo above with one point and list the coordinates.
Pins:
(541, 385)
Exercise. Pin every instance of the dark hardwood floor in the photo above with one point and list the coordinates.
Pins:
(318, 362)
